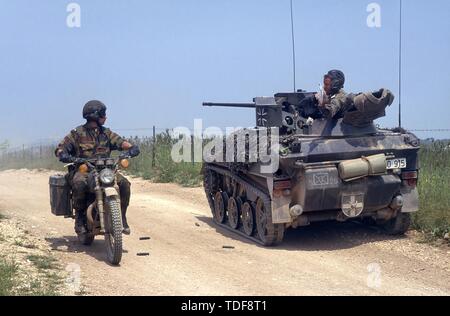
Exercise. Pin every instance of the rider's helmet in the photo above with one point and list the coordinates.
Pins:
(94, 110)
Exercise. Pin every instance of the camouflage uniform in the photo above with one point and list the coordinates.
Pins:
(337, 104)
(89, 142)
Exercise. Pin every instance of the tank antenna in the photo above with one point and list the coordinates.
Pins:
(293, 46)
(400, 71)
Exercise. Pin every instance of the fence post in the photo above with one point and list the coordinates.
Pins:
(154, 147)
(192, 150)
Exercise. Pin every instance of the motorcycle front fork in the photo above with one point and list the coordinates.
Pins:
(100, 206)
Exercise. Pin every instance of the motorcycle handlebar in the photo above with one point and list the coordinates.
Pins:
(79, 161)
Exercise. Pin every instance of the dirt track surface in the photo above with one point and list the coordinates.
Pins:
(187, 255)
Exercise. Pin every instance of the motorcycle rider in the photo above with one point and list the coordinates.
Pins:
(88, 141)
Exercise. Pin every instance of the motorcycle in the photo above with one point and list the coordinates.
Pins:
(103, 215)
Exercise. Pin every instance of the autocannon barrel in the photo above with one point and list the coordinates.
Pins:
(232, 105)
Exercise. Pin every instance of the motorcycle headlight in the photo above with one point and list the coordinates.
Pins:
(107, 176)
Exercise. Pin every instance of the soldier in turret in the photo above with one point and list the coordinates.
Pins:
(333, 101)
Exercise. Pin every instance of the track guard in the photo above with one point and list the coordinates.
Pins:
(411, 199)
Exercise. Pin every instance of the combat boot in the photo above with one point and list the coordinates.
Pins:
(126, 228)
(80, 225)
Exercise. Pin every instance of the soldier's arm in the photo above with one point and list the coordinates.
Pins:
(118, 143)
(338, 103)
(331, 109)
(66, 146)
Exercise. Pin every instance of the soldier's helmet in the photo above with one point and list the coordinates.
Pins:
(337, 80)
(93, 110)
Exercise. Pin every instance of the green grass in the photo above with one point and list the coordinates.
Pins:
(163, 169)
(32, 159)
(434, 190)
(43, 262)
(21, 243)
(160, 169)
(8, 271)
(47, 284)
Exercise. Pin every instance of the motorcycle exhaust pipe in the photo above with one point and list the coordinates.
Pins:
(101, 210)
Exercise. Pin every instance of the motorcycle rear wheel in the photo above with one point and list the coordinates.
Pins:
(113, 235)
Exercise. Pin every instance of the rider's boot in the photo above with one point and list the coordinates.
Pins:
(124, 188)
(80, 225)
(126, 228)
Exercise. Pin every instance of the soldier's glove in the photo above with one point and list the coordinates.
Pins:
(134, 151)
(78, 161)
(65, 158)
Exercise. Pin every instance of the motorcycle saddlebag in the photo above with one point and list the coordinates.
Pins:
(60, 196)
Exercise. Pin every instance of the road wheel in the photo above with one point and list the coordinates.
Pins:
(113, 235)
(248, 219)
(269, 233)
(398, 225)
(220, 205)
(234, 212)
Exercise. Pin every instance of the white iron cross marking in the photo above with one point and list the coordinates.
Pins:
(262, 121)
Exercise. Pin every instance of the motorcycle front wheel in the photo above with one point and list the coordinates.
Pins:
(113, 235)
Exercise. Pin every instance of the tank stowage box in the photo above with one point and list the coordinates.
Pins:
(60, 201)
(343, 168)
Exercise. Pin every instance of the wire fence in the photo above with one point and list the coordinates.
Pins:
(154, 163)
(431, 130)
(40, 149)
(45, 149)
(30, 155)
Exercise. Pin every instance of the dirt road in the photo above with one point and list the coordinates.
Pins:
(187, 255)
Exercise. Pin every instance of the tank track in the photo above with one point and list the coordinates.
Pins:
(273, 233)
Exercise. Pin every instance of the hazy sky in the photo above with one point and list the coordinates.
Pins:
(154, 62)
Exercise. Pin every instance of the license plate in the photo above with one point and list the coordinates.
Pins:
(397, 163)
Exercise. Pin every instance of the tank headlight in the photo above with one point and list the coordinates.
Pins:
(107, 176)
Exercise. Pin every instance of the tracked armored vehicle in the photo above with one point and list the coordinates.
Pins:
(328, 169)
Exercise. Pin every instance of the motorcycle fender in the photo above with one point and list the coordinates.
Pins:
(111, 192)
(280, 210)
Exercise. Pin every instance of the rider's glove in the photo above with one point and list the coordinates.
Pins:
(78, 161)
(134, 151)
(65, 158)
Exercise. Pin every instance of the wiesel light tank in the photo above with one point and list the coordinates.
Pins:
(329, 169)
